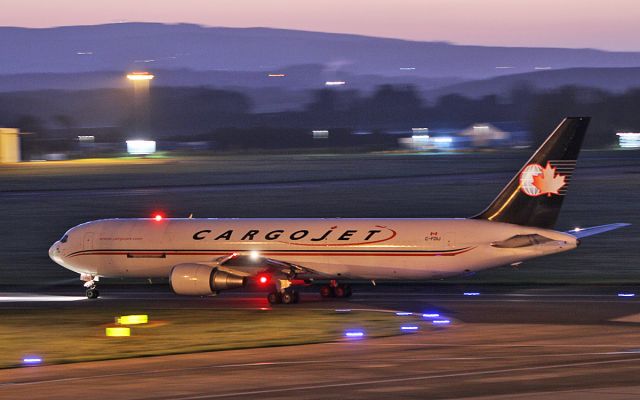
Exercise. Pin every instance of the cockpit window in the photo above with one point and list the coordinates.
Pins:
(64, 239)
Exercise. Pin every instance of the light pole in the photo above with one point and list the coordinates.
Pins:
(141, 106)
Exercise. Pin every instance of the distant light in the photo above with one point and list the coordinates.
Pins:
(626, 295)
(420, 129)
(86, 138)
(158, 217)
(577, 229)
(140, 76)
(277, 75)
(409, 328)
(133, 319)
(420, 138)
(119, 331)
(354, 334)
(441, 321)
(335, 83)
(141, 147)
(84, 53)
(320, 134)
(443, 139)
(481, 127)
(430, 315)
(471, 293)
(403, 314)
(32, 360)
(629, 140)
(343, 310)
(542, 68)
(407, 68)
(504, 67)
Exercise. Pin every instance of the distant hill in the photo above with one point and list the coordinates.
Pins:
(129, 46)
(610, 79)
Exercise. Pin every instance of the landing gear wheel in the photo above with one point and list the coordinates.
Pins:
(339, 291)
(274, 298)
(326, 291)
(347, 291)
(290, 297)
(93, 293)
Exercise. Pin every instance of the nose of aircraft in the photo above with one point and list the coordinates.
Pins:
(54, 252)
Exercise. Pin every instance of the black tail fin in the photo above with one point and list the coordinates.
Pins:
(534, 196)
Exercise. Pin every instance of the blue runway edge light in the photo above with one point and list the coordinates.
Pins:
(403, 314)
(626, 295)
(441, 322)
(471, 293)
(430, 315)
(354, 334)
(32, 360)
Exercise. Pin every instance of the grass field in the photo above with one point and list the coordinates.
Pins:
(41, 201)
(71, 335)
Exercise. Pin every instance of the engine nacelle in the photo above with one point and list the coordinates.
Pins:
(202, 280)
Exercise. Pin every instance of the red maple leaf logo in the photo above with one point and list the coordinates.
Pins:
(549, 182)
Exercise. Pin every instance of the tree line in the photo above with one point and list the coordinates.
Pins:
(226, 117)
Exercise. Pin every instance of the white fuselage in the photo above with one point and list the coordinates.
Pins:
(333, 248)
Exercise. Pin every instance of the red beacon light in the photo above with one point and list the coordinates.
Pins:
(263, 279)
(158, 217)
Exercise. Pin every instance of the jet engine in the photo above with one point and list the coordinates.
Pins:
(202, 280)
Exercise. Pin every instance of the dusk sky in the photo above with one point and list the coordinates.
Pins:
(612, 24)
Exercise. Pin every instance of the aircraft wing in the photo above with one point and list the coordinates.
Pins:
(595, 230)
(247, 265)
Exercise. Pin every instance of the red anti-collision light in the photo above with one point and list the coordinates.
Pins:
(263, 279)
(158, 217)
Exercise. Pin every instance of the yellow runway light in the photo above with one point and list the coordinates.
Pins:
(132, 319)
(118, 331)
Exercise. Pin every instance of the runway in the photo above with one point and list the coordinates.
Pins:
(515, 342)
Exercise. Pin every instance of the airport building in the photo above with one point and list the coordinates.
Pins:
(476, 136)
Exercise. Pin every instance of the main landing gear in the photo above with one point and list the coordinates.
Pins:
(284, 293)
(334, 289)
(286, 297)
(90, 283)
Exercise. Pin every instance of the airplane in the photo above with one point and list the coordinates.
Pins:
(204, 256)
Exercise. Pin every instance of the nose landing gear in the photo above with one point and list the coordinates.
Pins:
(92, 293)
(90, 283)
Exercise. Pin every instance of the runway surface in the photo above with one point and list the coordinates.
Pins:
(504, 343)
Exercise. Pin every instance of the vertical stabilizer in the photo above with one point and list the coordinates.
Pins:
(534, 196)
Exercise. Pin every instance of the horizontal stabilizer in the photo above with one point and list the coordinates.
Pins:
(595, 230)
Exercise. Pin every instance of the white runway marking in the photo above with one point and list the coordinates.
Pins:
(483, 345)
(628, 318)
(25, 297)
(303, 362)
(407, 379)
